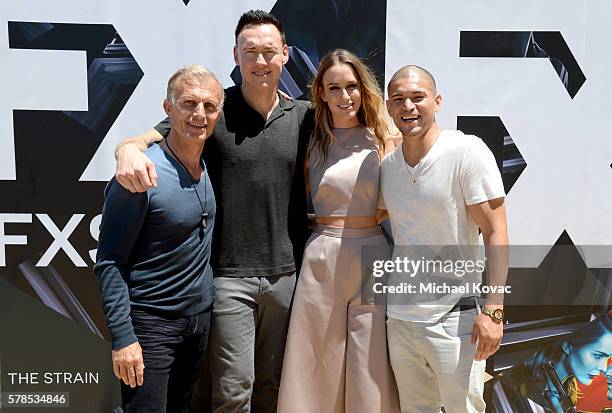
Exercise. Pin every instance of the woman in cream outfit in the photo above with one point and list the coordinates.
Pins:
(336, 356)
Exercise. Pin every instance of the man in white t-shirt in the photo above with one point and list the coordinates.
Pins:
(440, 187)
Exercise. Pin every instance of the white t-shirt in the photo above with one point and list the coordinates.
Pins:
(427, 203)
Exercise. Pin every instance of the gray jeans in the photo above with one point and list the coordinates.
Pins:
(247, 341)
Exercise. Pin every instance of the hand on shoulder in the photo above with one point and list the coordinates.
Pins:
(135, 171)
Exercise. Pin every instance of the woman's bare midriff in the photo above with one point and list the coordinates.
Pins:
(348, 222)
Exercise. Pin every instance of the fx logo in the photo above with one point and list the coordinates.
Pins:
(60, 237)
(66, 78)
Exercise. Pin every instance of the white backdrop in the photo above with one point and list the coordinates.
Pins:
(51, 185)
(567, 143)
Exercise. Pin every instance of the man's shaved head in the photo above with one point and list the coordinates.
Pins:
(412, 70)
(413, 102)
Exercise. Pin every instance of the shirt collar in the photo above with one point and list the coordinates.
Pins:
(283, 103)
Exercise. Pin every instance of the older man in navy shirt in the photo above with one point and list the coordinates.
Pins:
(153, 260)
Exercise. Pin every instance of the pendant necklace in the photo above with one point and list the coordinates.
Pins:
(410, 172)
(204, 214)
(413, 175)
(408, 168)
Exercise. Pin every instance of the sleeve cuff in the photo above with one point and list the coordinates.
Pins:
(124, 341)
(123, 335)
(484, 197)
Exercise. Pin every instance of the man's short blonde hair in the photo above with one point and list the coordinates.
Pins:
(191, 72)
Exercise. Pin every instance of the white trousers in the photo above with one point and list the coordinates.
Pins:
(434, 364)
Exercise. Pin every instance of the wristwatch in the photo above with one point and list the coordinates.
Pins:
(496, 315)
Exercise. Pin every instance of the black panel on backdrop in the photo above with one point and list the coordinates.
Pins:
(112, 73)
(29, 344)
(52, 150)
(548, 45)
(493, 132)
(549, 300)
(318, 26)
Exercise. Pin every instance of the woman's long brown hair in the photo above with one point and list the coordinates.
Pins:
(371, 113)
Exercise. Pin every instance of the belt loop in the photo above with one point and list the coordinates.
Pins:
(195, 327)
(478, 310)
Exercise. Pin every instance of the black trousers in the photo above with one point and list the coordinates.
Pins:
(172, 350)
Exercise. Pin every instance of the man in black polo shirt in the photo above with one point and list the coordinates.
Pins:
(255, 160)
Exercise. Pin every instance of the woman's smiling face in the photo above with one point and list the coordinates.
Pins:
(342, 94)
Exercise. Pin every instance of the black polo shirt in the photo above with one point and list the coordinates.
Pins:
(256, 167)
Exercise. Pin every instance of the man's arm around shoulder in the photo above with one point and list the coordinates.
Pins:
(136, 172)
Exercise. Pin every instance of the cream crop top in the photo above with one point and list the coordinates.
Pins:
(346, 184)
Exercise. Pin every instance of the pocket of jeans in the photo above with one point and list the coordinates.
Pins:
(148, 325)
(459, 323)
(141, 320)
